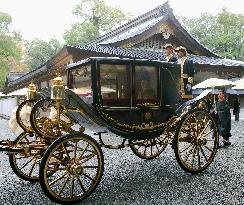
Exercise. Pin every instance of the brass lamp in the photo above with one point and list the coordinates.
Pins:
(31, 93)
(57, 92)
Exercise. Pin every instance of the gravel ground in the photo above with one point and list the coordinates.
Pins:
(130, 180)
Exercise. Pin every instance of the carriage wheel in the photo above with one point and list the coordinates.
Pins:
(150, 148)
(40, 114)
(76, 162)
(196, 140)
(24, 107)
(25, 165)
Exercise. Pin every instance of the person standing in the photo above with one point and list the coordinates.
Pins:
(224, 118)
(236, 109)
(169, 51)
(187, 73)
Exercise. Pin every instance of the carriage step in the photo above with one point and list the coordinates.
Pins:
(100, 133)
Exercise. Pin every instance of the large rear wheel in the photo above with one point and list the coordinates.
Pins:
(196, 140)
(76, 163)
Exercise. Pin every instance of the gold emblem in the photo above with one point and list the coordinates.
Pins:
(148, 116)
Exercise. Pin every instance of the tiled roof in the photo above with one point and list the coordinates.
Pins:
(157, 55)
(139, 22)
(138, 29)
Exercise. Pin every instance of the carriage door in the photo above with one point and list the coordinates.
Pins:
(147, 95)
(115, 92)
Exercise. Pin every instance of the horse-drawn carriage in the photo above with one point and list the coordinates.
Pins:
(137, 100)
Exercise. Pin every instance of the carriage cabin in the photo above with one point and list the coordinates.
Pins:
(131, 94)
(125, 83)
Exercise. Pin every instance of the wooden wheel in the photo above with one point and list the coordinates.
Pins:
(44, 121)
(150, 148)
(76, 163)
(196, 140)
(26, 165)
(40, 115)
(23, 113)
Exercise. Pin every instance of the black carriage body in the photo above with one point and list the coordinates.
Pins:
(133, 98)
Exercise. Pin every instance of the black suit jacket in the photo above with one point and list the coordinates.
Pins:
(188, 68)
(173, 59)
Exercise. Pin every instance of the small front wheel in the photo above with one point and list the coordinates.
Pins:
(71, 168)
(196, 140)
(150, 148)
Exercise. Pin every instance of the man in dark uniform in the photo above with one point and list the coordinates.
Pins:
(224, 117)
(187, 73)
(169, 50)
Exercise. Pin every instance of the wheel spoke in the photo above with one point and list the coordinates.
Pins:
(189, 153)
(208, 149)
(75, 150)
(198, 158)
(59, 178)
(145, 151)
(204, 155)
(53, 169)
(186, 148)
(28, 162)
(63, 186)
(157, 147)
(72, 187)
(87, 158)
(81, 185)
(31, 170)
(206, 126)
(81, 155)
(193, 158)
(87, 176)
(90, 167)
(208, 133)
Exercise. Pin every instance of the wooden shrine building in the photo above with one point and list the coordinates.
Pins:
(142, 38)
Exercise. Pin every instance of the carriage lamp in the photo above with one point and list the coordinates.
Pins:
(57, 92)
(31, 93)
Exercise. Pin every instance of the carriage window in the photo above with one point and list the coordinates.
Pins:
(115, 85)
(81, 82)
(146, 84)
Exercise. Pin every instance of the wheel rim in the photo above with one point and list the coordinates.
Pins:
(23, 114)
(197, 141)
(79, 169)
(26, 164)
(150, 148)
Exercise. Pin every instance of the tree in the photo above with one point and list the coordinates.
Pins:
(39, 51)
(223, 33)
(10, 46)
(96, 18)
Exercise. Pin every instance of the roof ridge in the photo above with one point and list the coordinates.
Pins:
(158, 11)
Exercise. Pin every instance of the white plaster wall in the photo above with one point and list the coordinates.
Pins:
(201, 76)
(7, 105)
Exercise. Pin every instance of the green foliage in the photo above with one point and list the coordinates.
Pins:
(96, 18)
(81, 33)
(222, 34)
(39, 51)
(10, 49)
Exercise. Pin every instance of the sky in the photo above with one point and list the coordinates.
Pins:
(47, 19)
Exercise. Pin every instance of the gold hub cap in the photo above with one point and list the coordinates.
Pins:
(76, 170)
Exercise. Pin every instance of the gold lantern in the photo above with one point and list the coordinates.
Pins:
(57, 92)
(31, 93)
